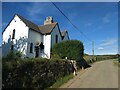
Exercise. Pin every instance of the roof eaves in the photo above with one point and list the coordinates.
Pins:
(36, 26)
(56, 23)
(8, 23)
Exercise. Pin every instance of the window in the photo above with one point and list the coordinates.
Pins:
(56, 38)
(31, 47)
(13, 34)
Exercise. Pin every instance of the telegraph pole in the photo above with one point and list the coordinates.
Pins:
(93, 48)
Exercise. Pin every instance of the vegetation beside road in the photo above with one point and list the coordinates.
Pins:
(62, 81)
(91, 58)
(34, 73)
(71, 49)
(41, 73)
(116, 62)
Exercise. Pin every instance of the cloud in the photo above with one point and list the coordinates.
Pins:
(37, 10)
(34, 9)
(108, 46)
(107, 50)
(106, 18)
(108, 42)
(100, 48)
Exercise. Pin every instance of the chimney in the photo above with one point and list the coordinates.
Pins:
(48, 20)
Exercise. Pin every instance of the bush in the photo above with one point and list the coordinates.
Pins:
(72, 49)
(34, 73)
(12, 55)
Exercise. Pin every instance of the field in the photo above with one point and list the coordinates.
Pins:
(100, 57)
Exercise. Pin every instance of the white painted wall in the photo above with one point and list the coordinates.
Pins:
(47, 45)
(29, 36)
(65, 38)
(50, 40)
(53, 36)
(21, 30)
(33, 37)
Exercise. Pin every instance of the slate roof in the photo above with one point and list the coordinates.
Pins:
(29, 23)
(47, 29)
(43, 29)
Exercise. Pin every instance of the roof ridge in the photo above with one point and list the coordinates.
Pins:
(47, 28)
(29, 23)
(49, 24)
(26, 19)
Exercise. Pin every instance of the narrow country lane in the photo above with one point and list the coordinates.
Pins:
(103, 74)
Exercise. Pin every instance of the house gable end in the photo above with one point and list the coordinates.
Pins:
(15, 21)
(65, 35)
(8, 24)
(28, 23)
(57, 25)
(55, 35)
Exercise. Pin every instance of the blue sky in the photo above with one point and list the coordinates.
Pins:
(98, 21)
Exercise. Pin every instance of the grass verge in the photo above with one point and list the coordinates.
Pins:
(62, 81)
(116, 63)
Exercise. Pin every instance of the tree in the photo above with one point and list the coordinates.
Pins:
(72, 49)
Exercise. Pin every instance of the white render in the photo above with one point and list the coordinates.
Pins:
(53, 34)
(24, 36)
(21, 30)
(66, 37)
(33, 37)
(49, 41)
(47, 45)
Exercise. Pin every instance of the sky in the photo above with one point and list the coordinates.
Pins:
(98, 21)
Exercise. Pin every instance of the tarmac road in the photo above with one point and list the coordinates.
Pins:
(103, 74)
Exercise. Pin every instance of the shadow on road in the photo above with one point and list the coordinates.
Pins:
(83, 64)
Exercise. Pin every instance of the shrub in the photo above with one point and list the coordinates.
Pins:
(13, 55)
(34, 73)
(72, 49)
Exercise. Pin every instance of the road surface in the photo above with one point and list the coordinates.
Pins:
(103, 74)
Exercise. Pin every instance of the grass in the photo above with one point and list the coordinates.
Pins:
(116, 63)
(62, 81)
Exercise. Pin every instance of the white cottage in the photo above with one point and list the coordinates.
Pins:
(31, 39)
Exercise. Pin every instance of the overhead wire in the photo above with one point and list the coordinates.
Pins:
(70, 20)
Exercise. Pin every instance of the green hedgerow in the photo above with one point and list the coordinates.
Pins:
(72, 49)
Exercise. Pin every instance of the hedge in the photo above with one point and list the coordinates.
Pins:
(34, 73)
(72, 49)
